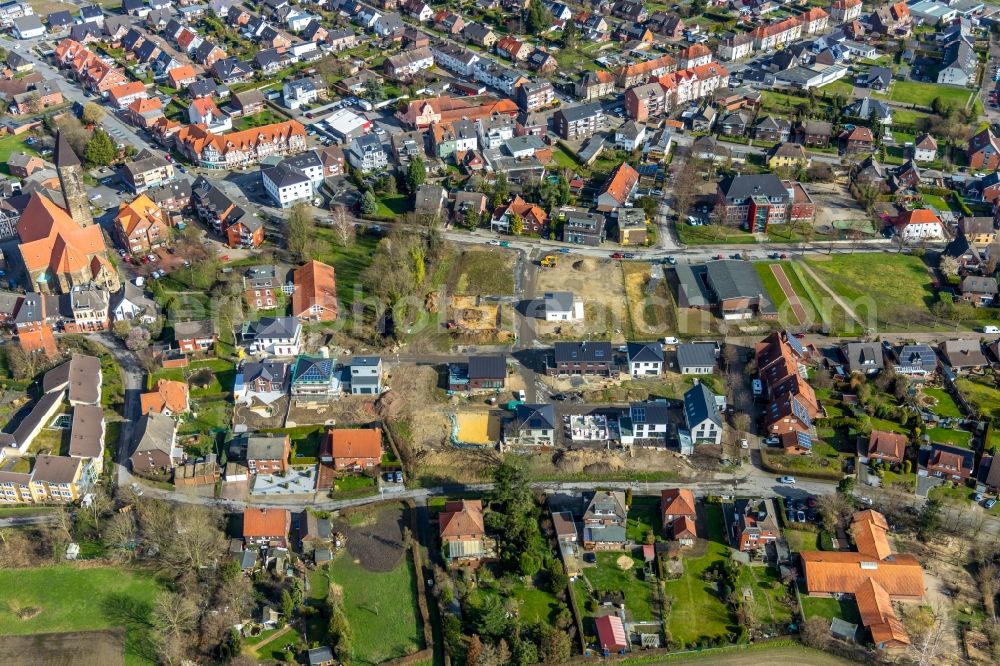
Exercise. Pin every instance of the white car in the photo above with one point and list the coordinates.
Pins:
(493, 242)
(787, 480)
(670, 340)
(744, 444)
(772, 441)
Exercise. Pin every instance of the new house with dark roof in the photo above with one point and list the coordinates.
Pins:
(645, 358)
(532, 425)
(581, 358)
(702, 416)
(697, 358)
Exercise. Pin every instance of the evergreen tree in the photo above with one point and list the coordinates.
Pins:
(100, 149)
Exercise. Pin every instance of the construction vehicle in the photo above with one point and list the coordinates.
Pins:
(548, 261)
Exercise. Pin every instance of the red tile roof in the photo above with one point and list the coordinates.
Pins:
(266, 523)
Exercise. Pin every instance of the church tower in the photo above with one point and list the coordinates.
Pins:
(71, 181)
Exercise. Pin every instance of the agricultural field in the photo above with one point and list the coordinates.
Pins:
(66, 598)
(483, 273)
(374, 579)
(697, 611)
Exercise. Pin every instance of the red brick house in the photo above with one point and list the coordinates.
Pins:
(353, 448)
(268, 454)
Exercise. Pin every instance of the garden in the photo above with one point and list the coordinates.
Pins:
(696, 610)
(373, 583)
(982, 393)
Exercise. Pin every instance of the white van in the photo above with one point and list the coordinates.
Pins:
(991, 329)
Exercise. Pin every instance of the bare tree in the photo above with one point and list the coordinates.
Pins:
(988, 577)
(816, 633)
(342, 226)
(929, 646)
(120, 536)
(835, 509)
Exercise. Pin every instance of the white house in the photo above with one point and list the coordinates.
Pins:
(702, 415)
(925, 148)
(277, 336)
(28, 27)
(920, 224)
(630, 136)
(562, 306)
(645, 358)
(366, 154)
(649, 421)
(285, 185)
(366, 375)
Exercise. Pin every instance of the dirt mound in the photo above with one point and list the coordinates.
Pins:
(591, 462)
(625, 562)
(585, 265)
(431, 302)
(389, 405)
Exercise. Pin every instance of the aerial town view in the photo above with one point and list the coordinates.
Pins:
(488, 332)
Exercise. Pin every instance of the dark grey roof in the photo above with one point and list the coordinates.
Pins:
(700, 405)
(652, 412)
(734, 278)
(583, 352)
(580, 112)
(487, 366)
(65, 157)
(645, 352)
(272, 327)
(265, 447)
(743, 187)
(284, 176)
(696, 355)
(154, 432)
(312, 370)
(535, 417)
(272, 371)
(367, 361)
(862, 354)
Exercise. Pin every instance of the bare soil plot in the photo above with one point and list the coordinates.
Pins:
(475, 320)
(347, 410)
(600, 284)
(259, 416)
(79, 648)
(652, 313)
(834, 204)
(374, 535)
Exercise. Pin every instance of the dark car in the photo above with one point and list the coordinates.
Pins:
(590, 558)
(629, 255)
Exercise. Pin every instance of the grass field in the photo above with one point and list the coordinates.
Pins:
(768, 605)
(607, 576)
(381, 609)
(981, 393)
(830, 608)
(777, 294)
(643, 516)
(897, 295)
(391, 205)
(483, 273)
(222, 383)
(712, 234)
(535, 605)
(697, 610)
(71, 599)
(922, 94)
(348, 262)
(946, 405)
(265, 117)
(13, 144)
(960, 438)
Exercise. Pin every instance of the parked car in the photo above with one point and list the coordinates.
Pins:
(990, 503)
(787, 480)
(800, 516)
(618, 255)
(772, 441)
(398, 477)
(670, 340)
(564, 250)
(629, 255)
(493, 242)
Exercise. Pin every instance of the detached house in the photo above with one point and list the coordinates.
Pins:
(462, 530)
(277, 336)
(532, 425)
(353, 448)
(645, 358)
(268, 454)
(267, 527)
(888, 447)
(678, 512)
(702, 416)
(755, 524)
(604, 521)
(366, 375)
(315, 295)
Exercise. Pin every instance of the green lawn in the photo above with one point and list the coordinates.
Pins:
(922, 94)
(643, 516)
(768, 604)
(381, 608)
(305, 439)
(391, 205)
(981, 393)
(800, 540)
(607, 576)
(946, 406)
(775, 291)
(697, 610)
(348, 262)
(897, 295)
(483, 273)
(960, 438)
(221, 384)
(712, 234)
(211, 414)
(536, 605)
(70, 599)
(830, 608)
(265, 117)
(13, 144)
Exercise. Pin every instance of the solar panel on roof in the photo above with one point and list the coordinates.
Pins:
(795, 344)
(804, 440)
(800, 412)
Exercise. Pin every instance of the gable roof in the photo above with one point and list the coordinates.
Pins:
(645, 352)
(355, 442)
(168, 394)
(677, 502)
(461, 518)
(700, 406)
(315, 284)
(266, 522)
(621, 183)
